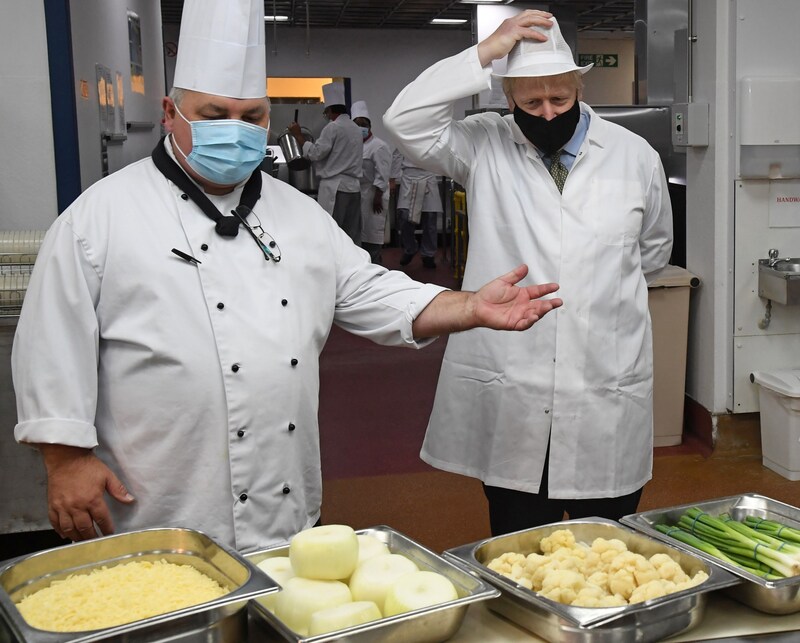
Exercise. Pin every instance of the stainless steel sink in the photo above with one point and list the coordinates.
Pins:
(787, 265)
(779, 282)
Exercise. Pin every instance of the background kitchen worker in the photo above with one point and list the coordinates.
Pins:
(559, 418)
(419, 203)
(161, 356)
(336, 155)
(377, 161)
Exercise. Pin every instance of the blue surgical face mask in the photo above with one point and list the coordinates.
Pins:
(225, 152)
(365, 133)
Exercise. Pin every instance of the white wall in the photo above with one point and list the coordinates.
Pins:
(100, 35)
(727, 220)
(766, 46)
(27, 172)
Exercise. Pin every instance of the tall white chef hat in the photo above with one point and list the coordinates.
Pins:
(533, 58)
(221, 48)
(359, 110)
(333, 94)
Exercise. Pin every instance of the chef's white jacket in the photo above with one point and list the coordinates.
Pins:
(583, 375)
(336, 155)
(197, 384)
(377, 162)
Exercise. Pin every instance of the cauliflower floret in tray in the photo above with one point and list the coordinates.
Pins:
(603, 574)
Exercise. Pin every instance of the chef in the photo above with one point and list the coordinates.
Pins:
(418, 204)
(560, 418)
(377, 162)
(166, 357)
(336, 155)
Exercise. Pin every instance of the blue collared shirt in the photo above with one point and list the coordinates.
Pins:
(573, 146)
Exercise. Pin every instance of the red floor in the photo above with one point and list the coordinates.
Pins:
(374, 407)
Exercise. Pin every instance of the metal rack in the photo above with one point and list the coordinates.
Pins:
(18, 250)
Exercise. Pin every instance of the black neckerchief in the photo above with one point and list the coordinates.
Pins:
(225, 226)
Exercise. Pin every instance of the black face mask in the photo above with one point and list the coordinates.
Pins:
(549, 136)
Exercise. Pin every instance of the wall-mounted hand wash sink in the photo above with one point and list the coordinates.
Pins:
(787, 265)
(779, 280)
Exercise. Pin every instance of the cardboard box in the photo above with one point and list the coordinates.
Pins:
(668, 293)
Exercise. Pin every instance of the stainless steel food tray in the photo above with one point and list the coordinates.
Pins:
(773, 597)
(224, 618)
(651, 620)
(429, 625)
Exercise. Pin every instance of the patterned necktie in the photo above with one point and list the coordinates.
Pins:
(558, 171)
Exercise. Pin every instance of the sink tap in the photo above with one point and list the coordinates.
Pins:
(773, 257)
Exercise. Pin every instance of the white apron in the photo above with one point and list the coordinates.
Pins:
(326, 193)
(376, 169)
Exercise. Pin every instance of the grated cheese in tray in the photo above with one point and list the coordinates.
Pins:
(110, 596)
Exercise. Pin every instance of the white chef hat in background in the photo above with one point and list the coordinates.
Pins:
(333, 94)
(221, 48)
(359, 110)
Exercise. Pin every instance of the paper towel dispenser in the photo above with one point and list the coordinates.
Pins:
(769, 129)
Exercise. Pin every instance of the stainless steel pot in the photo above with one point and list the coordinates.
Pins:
(301, 171)
(304, 180)
(293, 151)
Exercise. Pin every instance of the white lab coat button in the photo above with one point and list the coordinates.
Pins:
(547, 410)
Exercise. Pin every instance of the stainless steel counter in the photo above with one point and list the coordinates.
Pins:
(725, 620)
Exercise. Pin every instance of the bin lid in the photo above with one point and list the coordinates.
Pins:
(786, 382)
(672, 276)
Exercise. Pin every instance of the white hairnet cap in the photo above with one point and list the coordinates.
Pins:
(333, 94)
(533, 58)
(359, 110)
(221, 48)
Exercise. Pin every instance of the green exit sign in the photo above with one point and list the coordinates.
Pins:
(599, 60)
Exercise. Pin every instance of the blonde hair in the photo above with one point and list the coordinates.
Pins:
(574, 78)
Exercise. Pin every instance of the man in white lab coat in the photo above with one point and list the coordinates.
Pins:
(377, 162)
(336, 155)
(559, 418)
(166, 357)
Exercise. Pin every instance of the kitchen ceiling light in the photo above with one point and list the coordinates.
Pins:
(448, 21)
(276, 18)
(485, 1)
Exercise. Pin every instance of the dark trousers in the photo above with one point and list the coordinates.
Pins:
(347, 213)
(428, 222)
(511, 510)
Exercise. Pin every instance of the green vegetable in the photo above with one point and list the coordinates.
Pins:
(774, 528)
(775, 543)
(737, 544)
(685, 537)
